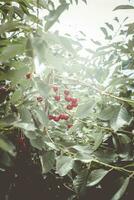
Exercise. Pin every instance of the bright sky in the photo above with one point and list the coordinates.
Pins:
(88, 18)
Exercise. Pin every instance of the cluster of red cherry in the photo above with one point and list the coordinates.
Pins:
(68, 98)
(73, 103)
(58, 117)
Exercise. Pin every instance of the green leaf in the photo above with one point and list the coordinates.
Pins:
(123, 7)
(25, 115)
(122, 190)
(47, 161)
(64, 164)
(116, 19)
(12, 50)
(51, 145)
(125, 146)
(85, 109)
(18, 11)
(30, 134)
(85, 158)
(77, 166)
(90, 51)
(96, 176)
(57, 61)
(120, 118)
(81, 149)
(17, 96)
(110, 26)
(130, 28)
(105, 32)
(106, 155)
(17, 72)
(107, 113)
(7, 146)
(85, 1)
(25, 126)
(71, 1)
(38, 143)
(29, 48)
(14, 75)
(42, 117)
(67, 43)
(42, 87)
(8, 120)
(98, 139)
(39, 48)
(83, 152)
(96, 42)
(8, 27)
(117, 115)
(80, 181)
(6, 160)
(76, 1)
(54, 15)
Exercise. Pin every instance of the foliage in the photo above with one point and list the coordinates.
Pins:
(95, 136)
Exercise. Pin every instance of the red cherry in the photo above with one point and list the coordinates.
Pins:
(29, 75)
(69, 126)
(39, 99)
(57, 98)
(55, 88)
(74, 104)
(66, 92)
(67, 98)
(74, 100)
(50, 117)
(56, 118)
(69, 107)
(64, 116)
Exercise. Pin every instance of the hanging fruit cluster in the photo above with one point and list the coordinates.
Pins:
(59, 117)
(72, 103)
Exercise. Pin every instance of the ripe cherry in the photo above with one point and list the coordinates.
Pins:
(50, 117)
(64, 116)
(74, 104)
(40, 99)
(66, 92)
(67, 98)
(56, 118)
(57, 98)
(74, 100)
(55, 88)
(69, 126)
(69, 107)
